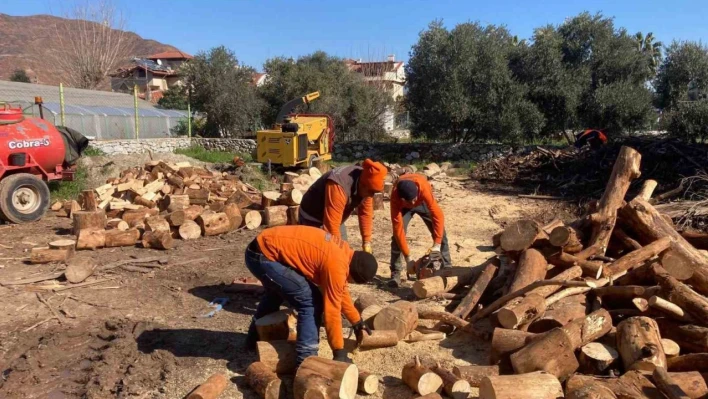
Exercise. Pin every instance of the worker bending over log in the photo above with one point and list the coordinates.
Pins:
(334, 196)
(309, 268)
(413, 195)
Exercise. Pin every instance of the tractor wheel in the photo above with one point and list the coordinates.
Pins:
(23, 198)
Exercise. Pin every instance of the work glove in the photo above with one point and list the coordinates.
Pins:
(410, 265)
(359, 329)
(434, 248)
(340, 355)
(366, 247)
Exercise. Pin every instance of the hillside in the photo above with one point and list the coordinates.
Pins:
(31, 42)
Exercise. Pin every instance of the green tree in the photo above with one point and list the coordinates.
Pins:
(356, 107)
(688, 121)
(221, 88)
(651, 49)
(174, 98)
(686, 63)
(20, 76)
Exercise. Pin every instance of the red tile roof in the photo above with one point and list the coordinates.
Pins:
(256, 77)
(171, 55)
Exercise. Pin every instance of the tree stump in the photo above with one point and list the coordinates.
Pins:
(88, 220)
(420, 378)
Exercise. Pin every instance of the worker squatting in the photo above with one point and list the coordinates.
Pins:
(309, 265)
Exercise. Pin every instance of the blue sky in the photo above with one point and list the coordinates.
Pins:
(256, 30)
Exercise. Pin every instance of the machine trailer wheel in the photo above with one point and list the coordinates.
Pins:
(311, 161)
(23, 198)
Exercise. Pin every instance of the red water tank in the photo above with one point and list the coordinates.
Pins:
(38, 139)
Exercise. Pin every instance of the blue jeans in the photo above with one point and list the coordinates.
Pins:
(424, 213)
(283, 283)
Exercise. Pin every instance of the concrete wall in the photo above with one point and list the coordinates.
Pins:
(411, 152)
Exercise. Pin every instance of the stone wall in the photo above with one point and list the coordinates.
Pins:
(113, 147)
(411, 152)
(234, 145)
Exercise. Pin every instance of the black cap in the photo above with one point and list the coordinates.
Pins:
(363, 267)
(407, 190)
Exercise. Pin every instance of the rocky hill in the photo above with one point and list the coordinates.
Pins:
(30, 43)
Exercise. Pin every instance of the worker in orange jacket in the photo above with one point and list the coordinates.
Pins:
(309, 268)
(413, 195)
(330, 201)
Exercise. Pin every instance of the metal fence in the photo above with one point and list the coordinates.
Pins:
(96, 114)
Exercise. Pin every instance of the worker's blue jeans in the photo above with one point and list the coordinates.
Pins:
(424, 213)
(283, 283)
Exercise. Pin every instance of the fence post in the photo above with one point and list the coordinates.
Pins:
(61, 104)
(137, 121)
(189, 121)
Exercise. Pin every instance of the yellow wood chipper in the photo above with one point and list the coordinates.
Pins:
(297, 139)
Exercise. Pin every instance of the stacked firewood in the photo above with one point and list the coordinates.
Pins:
(155, 204)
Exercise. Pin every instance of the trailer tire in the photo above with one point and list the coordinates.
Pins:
(311, 161)
(23, 198)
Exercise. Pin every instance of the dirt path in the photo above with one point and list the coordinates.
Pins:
(139, 335)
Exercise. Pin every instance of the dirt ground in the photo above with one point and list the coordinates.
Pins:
(140, 335)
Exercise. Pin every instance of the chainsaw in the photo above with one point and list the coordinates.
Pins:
(426, 266)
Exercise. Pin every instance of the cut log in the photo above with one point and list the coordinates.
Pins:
(638, 257)
(589, 268)
(453, 385)
(454, 321)
(50, 255)
(234, 215)
(567, 238)
(668, 308)
(649, 224)
(88, 220)
(270, 198)
(279, 356)
(288, 177)
(671, 348)
(588, 329)
(560, 314)
(667, 385)
(682, 295)
(388, 189)
(368, 314)
(401, 316)
(158, 240)
(553, 354)
(291, 198)
(505, 342)
(524, 312)
(121, 238)
(691, 338)
(378, 201)
(692, 362)
(692, 383)
(331, 378)
(647, 189)
(632, 385)
(280, 325)
(379, 339)
(91, 239)
(198, 196)
(211, 389)
(214, 223)
(252, 220)
(522, 235)
(625, 169)
(156, 223)
(285, 187)
(293, 215)
(57, 206)
(470, 300)
(364, 301)
(70, 207)
(314, 173)
(175, 181)
(420, 378)
(680, 267)
(192, 212)
(138, 216)
(698, 239)
(627, 242)
(368, 383)
(527, 386)
(117, 224)
(596, 358)
(417, 336)
(176, 218)
(62, 244)
(592, 390)
(175, 202)
(532, 267)
(140, 200)
(264, 381)
(639, 344)
(88, 200)
(566, 275)
(276, 215)
(475, 374)
(190, 230)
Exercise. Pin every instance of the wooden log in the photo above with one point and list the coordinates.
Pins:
(368, 314)
(532, 267)
(524, 312)
(646, 221)
(213, 223)
(252, 220)
(698, 239)
(57, 206)
(682, 295)
(639, 344)
(632, 385)
(567, 238)
(344, 375)
(388, 189)
(589, 268)
(378, 202)
(198, 197)
(680, 267)
(566, 275)
(70, 207)
(175, 202)
(522, 235)
(291, 198)
(211, 389)
(527, 386)
(671, 348)
(592, 390)
(88, 200)
(91, 239)
(692, 383)
(62, 244)
(470, 300)
(453, 385)
(264, 381)
(638, 257)
(140, 200)
(647, 189)
(595, 358)
(401, 316)
(625, 169)
(158, 240)
(627, 242)
(588, 329)
(364, 301)
(137, 216)
(691, 362)
(192, 212)
(667, 385)
(121, 238)
(553, 354)
(88, 220)
(176, 218)
(190, 230)
(560, 314)
(379, 339)
(475, 374)
(420, 378)
(690, 337)
(668, 308)
(285, 187)
(117, 224)
(417, 336)
(280, 325)
(270, 198)
(279, 356)
(293, 215)
(234, 215)
(175, 181)
(368, 383)
(505, 342)
(157, 223)
(275, 215)
(288, 177)
(49, 255)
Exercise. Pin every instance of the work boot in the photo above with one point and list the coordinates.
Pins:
(395, 281)
(252, 337)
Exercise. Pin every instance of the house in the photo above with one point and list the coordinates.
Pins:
(152, 75)
(389, 75)
(258, 79)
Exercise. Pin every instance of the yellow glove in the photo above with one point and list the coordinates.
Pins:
(367, 248)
